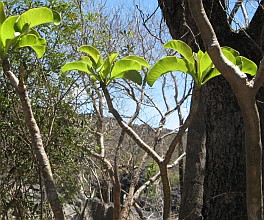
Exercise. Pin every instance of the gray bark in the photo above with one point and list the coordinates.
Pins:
(192, 197)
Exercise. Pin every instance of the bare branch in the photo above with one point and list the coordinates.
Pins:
(259, 78)
(128, 129)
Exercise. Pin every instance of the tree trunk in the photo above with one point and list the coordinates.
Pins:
(225, 181)
(166, 191)
(37, 144)
(253, 150)
(192, 197)
(225, 176)
(41, 155)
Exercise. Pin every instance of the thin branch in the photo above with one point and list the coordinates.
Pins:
(128, 129)
(185, 125)
(155, 178)
(234, 11)
(259, 78)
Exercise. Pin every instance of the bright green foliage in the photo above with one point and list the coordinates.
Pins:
(198, 65)
(245, 65)
(17, 31)
(108, 69)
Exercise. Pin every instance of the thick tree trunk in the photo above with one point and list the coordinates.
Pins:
(225, 182)
(225, 176)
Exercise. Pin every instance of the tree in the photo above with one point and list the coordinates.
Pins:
(245, 90)
(18, 32)
(225, 173)
(105, 72)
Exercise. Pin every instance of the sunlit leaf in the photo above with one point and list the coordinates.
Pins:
(94, 54)
(33, 31)
(165, 65)
(205, 64)
(211, 74)
(229, 56)
(124, 65)
(30, 40)
(39, 49)
(7, 30)
(2, 13)
(34, 42)
(141, 60)
(132, 75)
(108, 65)
(234, 52)
(248, 66)
(199, 56)
(37, 16)
(87, 60)
(181, 48)
(76, 65)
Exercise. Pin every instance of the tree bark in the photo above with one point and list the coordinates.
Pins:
(245, 90)
(192, 197)
(225, 178)
(37, 144)
(253, 156)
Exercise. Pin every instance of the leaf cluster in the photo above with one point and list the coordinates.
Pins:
(17, 31)
(106, 70)
(198, 65)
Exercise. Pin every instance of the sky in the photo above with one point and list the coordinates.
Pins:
(149, 114)
(148, 6)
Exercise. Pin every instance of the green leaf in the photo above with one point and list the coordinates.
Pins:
(76, 65)
(39, 49)
(124, 65)
(94, 54)
(31, 40)
(37, 16)
(248, 66)
(182, 48)
(2, 13)
(141, 60)
(33, 31)
(87, 60)
(165, 65)
(132, 75)
(229, 56)
(108, 65)
(199, 56)
(211, 74)
(34, 42)
(56, 17)
(231, 50)
(205, 65)
(25, 30)
(7, 30)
